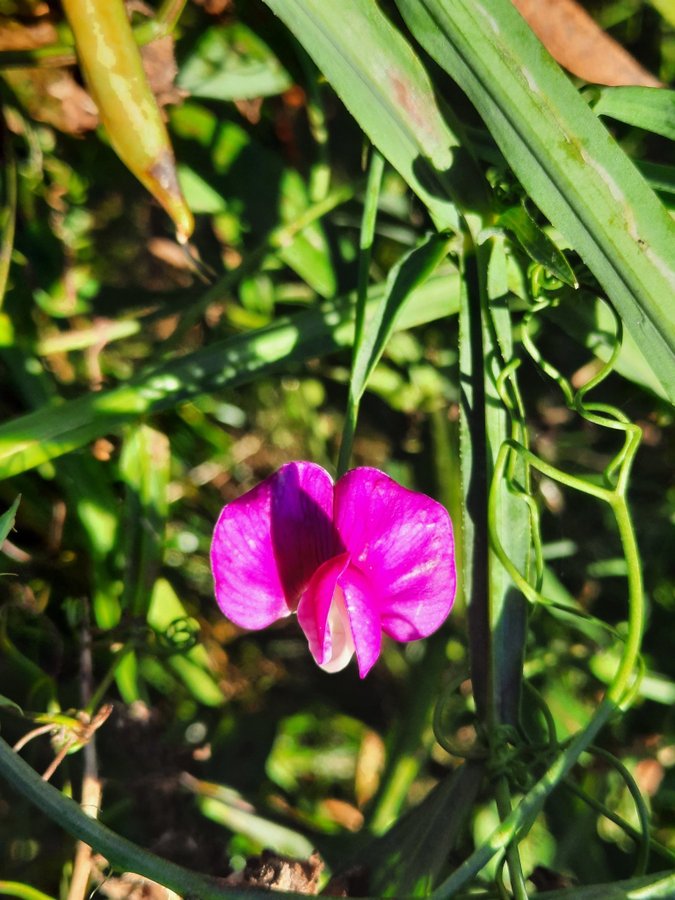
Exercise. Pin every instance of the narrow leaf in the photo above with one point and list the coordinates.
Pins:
(7, 520)
(650, 108)
(406, 861)
(537, 244)
(144, 467)
(409, 273)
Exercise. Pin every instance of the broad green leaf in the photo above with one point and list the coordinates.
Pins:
(198, 193)
(650, 108)
(309, 253)
(567, 162)
(87, 486)
(32, 439)
(409, 273)
(7, 520)
(536, 243)
(666, 8)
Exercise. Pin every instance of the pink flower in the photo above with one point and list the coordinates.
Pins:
(353, 559)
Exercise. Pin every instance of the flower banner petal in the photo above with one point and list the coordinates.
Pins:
(402, 541)
(269, 542)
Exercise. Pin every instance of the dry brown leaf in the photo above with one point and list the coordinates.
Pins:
(160, 67)
(18, 36)
(578, 43)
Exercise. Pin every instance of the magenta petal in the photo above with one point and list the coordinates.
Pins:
(268, 543)
(403, 543)
(338, 613)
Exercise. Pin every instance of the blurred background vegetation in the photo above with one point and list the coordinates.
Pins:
(220, 744)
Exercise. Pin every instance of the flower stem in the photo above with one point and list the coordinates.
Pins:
(365, 248)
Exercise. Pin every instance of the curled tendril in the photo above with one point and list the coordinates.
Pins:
(448, 709)
(515, 457)
(180, 636)
(551, 742)
(541, 281)
(642, 837)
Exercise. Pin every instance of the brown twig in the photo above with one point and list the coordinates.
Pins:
(92, 790)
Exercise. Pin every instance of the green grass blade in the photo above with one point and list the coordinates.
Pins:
(34, 438)
(564, 157)
(145, 465)
(384, 85)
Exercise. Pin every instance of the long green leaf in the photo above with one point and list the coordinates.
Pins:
(32, 439)
(384, 85)
(145, 465)
(564, 157)
(406, 860)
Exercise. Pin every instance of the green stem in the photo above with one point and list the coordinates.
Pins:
(365, 249)
(22, 891)
(106, 681)
(620, 685)
(503, 800)
(510, 829)
(121, 853)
